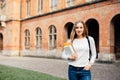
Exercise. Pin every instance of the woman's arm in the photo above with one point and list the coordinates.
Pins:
(93, 54)
(93, 50)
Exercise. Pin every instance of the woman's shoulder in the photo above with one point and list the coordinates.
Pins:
(91, 38)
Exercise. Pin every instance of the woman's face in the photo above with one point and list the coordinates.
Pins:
(79, 29)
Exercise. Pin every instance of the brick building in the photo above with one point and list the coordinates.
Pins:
(40, 27)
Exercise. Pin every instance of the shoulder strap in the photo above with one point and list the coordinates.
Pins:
(89, 47)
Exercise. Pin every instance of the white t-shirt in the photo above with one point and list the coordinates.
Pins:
(81, 47)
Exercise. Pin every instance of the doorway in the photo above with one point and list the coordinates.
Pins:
(115, 34)
(93, 30)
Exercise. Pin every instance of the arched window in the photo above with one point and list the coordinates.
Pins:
(52, 37)
(38, 38)
(27, 39)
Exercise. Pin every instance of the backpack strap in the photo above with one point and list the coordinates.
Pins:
(89, 47)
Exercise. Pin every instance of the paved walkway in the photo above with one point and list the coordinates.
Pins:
(57, 67)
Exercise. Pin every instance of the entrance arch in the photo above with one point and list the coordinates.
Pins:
(1, 41)
(93, 30)
(68, 29)
(115, 35)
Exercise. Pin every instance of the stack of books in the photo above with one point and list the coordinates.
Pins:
(68, 48)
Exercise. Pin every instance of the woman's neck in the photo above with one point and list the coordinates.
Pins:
(79, 37)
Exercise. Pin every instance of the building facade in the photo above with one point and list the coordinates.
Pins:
(40, 27)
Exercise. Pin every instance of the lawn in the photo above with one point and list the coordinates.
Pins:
(12, 73)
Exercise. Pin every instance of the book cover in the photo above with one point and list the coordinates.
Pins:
(68, 49)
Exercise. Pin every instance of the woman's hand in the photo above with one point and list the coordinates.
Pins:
(88, 67)
(73, 57)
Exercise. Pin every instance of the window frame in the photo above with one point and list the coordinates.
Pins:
(39, 6)
(27, 39)
(28, 5)
(70, 3)
(53, 4)
(52, 37)
(38, 38)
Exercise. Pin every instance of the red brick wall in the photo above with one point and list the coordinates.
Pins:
(103, 12)
(84, 13)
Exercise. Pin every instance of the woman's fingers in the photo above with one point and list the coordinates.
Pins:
(88, 67)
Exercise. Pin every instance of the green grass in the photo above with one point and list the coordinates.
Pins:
(12, 73)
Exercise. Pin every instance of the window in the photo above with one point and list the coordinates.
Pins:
(28, 8)
(2, 1)
(27, 39)
(3, 4)
(92, 0)
(38, 38)
(70, 2)
(52, 37)
(53, 4)
(40, 6)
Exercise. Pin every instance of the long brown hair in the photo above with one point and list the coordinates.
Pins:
(74, 35)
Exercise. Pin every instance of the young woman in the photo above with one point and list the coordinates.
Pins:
(80, 62)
